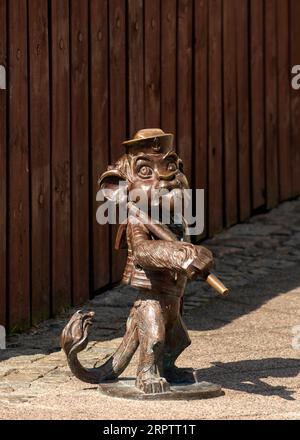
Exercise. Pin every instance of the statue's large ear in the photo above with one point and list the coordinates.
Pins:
(113, 185)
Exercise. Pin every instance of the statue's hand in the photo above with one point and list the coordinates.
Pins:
(202, 264)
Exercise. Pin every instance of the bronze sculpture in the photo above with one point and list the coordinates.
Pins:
(160, 261)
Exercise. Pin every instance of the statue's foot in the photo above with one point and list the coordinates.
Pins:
(153, 385)
(180, 375)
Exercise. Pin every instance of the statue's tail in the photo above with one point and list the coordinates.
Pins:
(74, 339)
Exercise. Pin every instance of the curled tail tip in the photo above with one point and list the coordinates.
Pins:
(74, 337)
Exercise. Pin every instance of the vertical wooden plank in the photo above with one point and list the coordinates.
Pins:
(40, 159)
(230, 113)
(80, 150)
(215, 154)
(152, 63)
(19, 241)
(60, 108)
(243, 110)
(283, 90)
(257, 103)
(99, 116)
(271, 103)
(3, 182)
(135, 27)
(201, 98)
(117, 47)
(184, 84)
(168, 66)
(295, 94)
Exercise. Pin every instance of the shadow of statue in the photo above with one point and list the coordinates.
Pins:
(247, 375)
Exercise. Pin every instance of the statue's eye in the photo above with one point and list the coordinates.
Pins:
(172, 166)
(145, 171)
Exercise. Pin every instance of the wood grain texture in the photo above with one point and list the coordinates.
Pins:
(215, 150)
(80, 150)
(243, 66)
(257, 103)
(230, 113)
(283, 91)
(271, 122)
(152, 63)
(19, 219)
(201, 100)
(99, 120)
(168, 67)
(295, 94)
(184, 85)
(135, 26)
(60, 166)
(40, 159)
(83, 76)
(3, 176)
(118, 110)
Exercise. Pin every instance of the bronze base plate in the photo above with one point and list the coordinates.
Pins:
(126, 389)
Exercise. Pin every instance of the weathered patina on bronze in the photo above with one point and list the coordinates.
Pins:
(160, 261)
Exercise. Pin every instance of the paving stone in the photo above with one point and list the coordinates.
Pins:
(4, 388)
(255, 229)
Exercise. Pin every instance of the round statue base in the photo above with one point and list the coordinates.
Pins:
(126, 389)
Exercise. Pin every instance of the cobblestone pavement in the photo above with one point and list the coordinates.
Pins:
(244, 342)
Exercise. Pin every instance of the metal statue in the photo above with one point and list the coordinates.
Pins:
(160, 261)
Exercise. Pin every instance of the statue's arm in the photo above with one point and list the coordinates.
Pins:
(161, 254)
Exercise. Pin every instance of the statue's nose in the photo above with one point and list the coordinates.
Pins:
(166, 176)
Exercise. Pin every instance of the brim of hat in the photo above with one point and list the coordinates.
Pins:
(136, 141)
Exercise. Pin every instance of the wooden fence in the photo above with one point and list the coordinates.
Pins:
(82, 76)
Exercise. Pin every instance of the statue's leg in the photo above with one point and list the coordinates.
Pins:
(177, 340)
(151, 331)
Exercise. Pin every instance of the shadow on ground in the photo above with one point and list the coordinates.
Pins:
(247, 376)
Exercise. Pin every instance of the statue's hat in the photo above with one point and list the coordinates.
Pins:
(149, 140)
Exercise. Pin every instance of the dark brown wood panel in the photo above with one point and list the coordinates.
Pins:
(215, 153)
(295, 94)
(271, 141)
(3, 157)
(152, 63)
(40, 158)
(80, 150)
(283, 90)
(117, 52)
(230, 113)
(99, 119)
(243, 111)
(135, 26)
(19, 219)
(201, 100)
(118, 108)
(257, 102)
(168, 66)
(184, 85)
(60, 166)
(86, 75)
